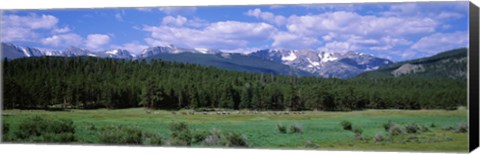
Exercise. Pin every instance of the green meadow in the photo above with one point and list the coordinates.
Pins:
(318, 129)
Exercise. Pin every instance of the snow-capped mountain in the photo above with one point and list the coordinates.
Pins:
(325, 64)
(171, 49)
(117, 53)
(12, 51)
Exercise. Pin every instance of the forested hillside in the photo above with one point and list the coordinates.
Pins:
(450, 64)
(88, 82)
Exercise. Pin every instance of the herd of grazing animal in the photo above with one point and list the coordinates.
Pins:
(233, 112)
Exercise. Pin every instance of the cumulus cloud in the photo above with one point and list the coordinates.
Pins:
(223, 35)
(441, 41)
(267, 16)
(23, 28)
(96, 41)
(61, 30)
(292, 41)
(62, 39)
(337, 46)
(174, 21)
(184, 10)
(388, 43)
(353, 23)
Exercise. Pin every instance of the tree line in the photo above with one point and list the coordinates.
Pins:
(89, 82)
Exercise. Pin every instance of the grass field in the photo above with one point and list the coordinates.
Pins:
(321, 130)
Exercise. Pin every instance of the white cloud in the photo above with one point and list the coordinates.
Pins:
(23, 28)
(292, 41)
(220, 35)
(119, 17)
(353, 23)
(32, 21)
(267, 16)
(184, 10)
(441, 42)
(449, 15)
(133, 47)
(62, 40)
(174, 21)
(96, 41)
(61, 30)
(388, 43)
(403, 9)
(337, 46)
(197, 22)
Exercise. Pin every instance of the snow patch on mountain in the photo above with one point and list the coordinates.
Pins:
(290, 57)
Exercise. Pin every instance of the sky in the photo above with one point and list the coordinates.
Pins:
(398, 31)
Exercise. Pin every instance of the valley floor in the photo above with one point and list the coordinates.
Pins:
(319, 130)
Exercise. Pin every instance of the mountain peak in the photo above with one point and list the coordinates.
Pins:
(323, 63)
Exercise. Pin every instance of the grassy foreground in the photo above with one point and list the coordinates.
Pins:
(320, 130)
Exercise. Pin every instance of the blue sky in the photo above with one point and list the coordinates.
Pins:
(398, 31)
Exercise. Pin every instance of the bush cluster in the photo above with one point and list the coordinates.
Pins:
(347, 125)
(234, 139)
(181, 134)
(38, 129)
(310, 144)
(461, 128)
(395, 130)
(387, 125)
(296, 128)
(112, 134)
(412, 128)
(378, 137)
(281, 128)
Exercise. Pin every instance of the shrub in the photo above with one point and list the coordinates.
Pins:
(91, 127)
(378, 137)
(395, 130)
(432, 125)
(388, 125)
(412, 138)
(412, 128)
(181, 134)
(296, 128)
(233, 139)
(358, 131)
(461, 128)
(281, 128)
(424, 128)
(213, 138)
(312, 145)
(152, 139)
(346, 125)
(198, 136)
(62, 137)
(5, 128)
(120, 135)
(448, 128)
(39, 129)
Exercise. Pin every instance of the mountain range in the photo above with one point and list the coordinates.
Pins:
(451, 64)
(272, 61)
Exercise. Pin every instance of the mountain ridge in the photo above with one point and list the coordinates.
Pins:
(448, 64)
(287, 62)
